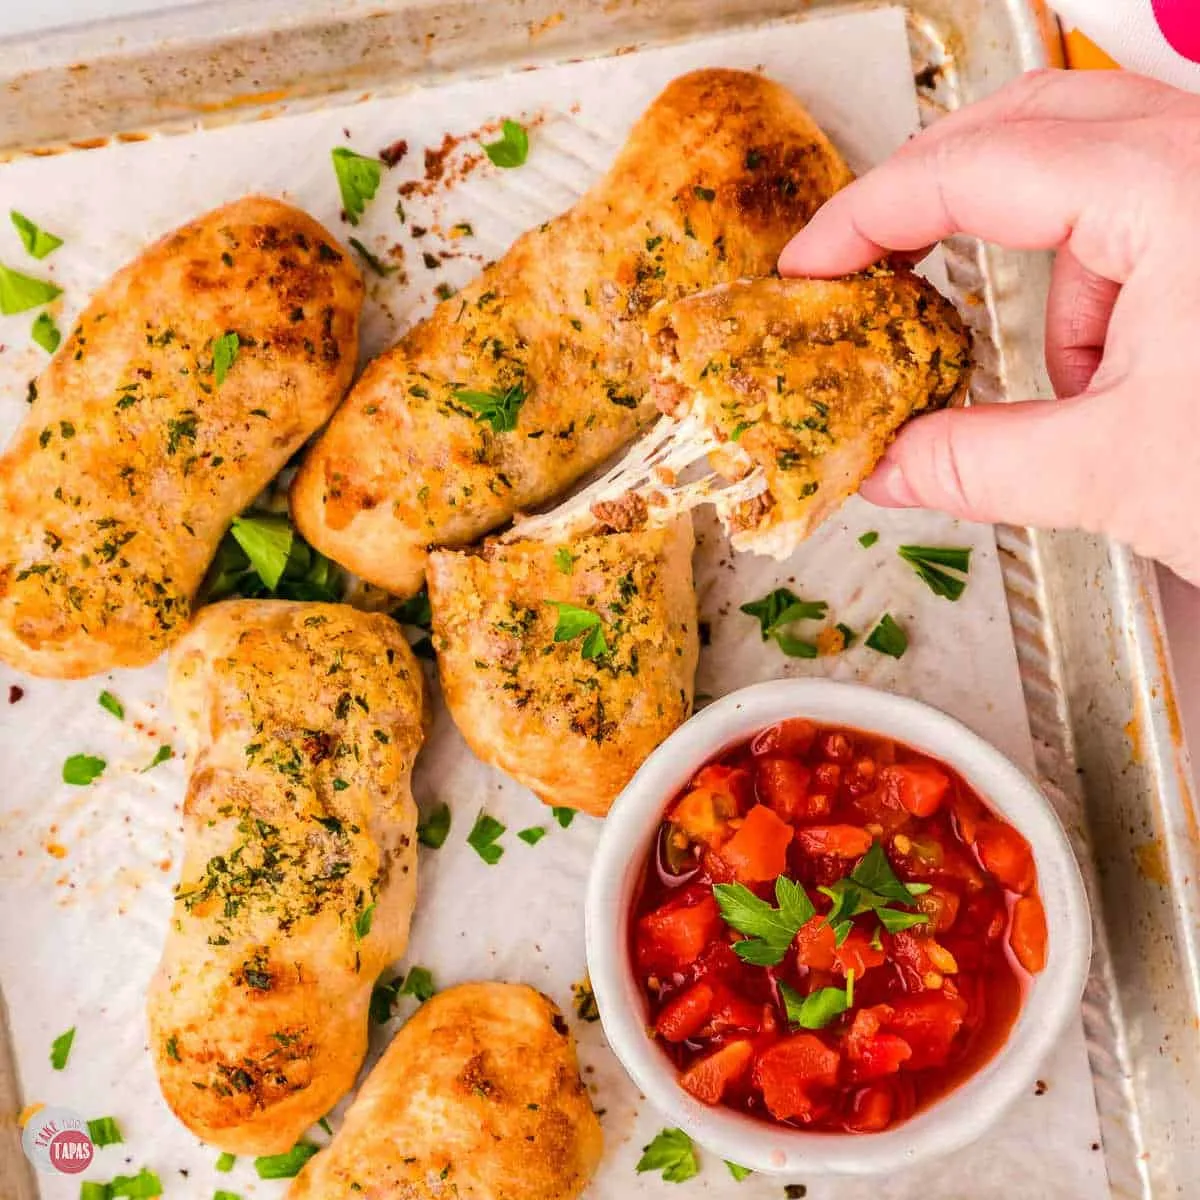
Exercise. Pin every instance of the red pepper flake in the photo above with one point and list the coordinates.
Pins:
(394, 153)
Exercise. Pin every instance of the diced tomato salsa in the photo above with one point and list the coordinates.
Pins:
(833, 930)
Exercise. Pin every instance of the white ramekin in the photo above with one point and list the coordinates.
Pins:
(958, 1118)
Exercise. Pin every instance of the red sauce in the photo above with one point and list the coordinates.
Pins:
(856, 1002)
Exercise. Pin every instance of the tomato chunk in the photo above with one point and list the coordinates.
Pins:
(731, 1011)
(917, 787)
(836, 841)
(1006, 855)
(685, 1014)
(929, 1023)
(792, 738)
(783, 784)
(1028, 936)
(791, 1073)
(871, 1109)
(757, 853)
(708, 1077)
(671, 939)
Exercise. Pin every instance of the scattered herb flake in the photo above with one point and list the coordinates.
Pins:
(512, 147)
(672, 1153)
(82, 769)
(358, 180)
(286, 1165)
(483, 836)
(739, 1173)
(111, 704)
(769, 931)
(19, 293)
(60, 1049)
(564, 560)
(418, 983)
(373, 261)
(888, 638)
(819, 1008)
(136, 1187)
(574, 622)
(37, 241)
(160, 756)
(433, 829)
(584, 998)
(498, 409)
(225, 352)
(931, 563)
(779, 609)
(363, 922)
(45, 333)
(532, 835)
(564, 816)
(225, 1162)
(104, 1131)
(868, 539)
(266, 539)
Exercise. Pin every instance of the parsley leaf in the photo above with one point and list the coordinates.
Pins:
(512, 148)
(888, 638)
(416, 610)
(225, 352)
(363, 922)
(874, 873)
(373, 261)
(60, 1049)
(111, 704)
(671, 1152)
(267, 541)
(769, 931)
(498, 409)
(161, 755)
(564, 560)
(104, 1131)
(929, 561)
(564, 816)
(819, 1008)
(19, 293)
(383, 1000)
(419, 983)
(286, 1165)
(36, 240)
(433, 829)
(81, 769)
(307, 574)
(358, 180)
(868, 539)
(574, 622)
(871, 887)
(483, 836)
(532, 835)
(780, 608)
(894, 921)
(225, 1162)
(739, 1173)
(45, 333)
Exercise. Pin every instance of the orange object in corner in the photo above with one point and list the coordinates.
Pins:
(1082, 54)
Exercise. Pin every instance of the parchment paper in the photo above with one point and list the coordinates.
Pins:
(86, 874)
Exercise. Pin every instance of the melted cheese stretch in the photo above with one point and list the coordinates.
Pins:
(653, 468)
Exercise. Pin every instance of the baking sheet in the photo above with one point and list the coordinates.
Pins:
(86, 874)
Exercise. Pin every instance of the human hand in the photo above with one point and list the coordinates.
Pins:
(1104, 167)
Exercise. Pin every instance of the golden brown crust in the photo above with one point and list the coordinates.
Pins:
(303, 721)
(716, 176)
(571, 727)
(478, 1097)
(809, 380)
(132, 460)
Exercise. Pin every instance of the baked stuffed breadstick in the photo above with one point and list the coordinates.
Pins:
(299, 872)
(566, 663)
(189, 381)
(478, 1098)
(537, 372)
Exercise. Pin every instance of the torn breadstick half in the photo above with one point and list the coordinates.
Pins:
(792, 389)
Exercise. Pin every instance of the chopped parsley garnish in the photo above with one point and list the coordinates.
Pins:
(931, 563)
(512, 147)
(373, 261)
(171, 1045)
(37, 241)
(586, 1008)
(225, 352)
(532, 835)
(307, 574)
(564, 816)
(358, 180)
(739, 1173)
(60, 1049)
(498, 409)
(325, 1126)
(104, 1131)
(849, 637)
(82, 769)
(704, 193)
(45, 333)
(161, 755)
(564, 560)
(223, 1195)
(819, 1008)
(769, 931)
(111, 704)
(871, 887)
(267, 542)
(363, 922)
(888, 638)
(868, 539)
(483, 836)
(225, 1162)
(383, 1000)
(141, 1186)
(19, 293)
(779, 609)
(574, 622)
(286, 1165)
(416, 610)
(672, 1153)
(433, 829)
(419, 983)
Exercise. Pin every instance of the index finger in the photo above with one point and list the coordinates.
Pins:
(1022, 185)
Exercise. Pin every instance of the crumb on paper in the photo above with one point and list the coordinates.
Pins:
(537, 28)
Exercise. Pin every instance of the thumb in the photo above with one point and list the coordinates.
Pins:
(1035, 463)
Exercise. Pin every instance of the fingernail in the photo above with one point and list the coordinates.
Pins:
(889, 488)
